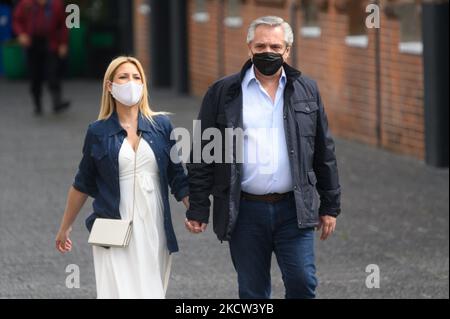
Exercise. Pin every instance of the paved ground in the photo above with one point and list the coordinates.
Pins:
(395, 214)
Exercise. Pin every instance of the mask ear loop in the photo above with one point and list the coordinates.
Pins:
(109, 82)
(252, 55)
(282, 55)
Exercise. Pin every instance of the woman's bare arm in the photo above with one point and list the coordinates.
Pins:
(75, 201)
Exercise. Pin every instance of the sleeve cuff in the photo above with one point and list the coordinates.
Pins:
(79, 187)
(329, 211)
(197, 216)
(182, 193)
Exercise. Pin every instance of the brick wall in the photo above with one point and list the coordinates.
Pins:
(202, 45)
(401, 95)
(346, 75)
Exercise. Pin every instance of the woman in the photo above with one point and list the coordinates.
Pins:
(114, 160)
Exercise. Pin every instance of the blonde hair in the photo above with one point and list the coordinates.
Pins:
(108, 102)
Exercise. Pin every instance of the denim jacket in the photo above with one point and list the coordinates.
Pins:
(98, 172)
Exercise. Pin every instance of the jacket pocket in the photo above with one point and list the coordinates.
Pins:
(100, 157)
(98, 152)
(311, 195)
(306, 117)
(312, 178)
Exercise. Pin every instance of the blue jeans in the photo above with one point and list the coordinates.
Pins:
(263, 228)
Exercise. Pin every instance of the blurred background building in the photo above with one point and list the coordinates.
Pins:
(386, 87)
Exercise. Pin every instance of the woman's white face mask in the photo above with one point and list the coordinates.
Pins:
(128, 94)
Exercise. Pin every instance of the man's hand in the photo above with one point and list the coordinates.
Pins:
(327, 224)
(194, 226)
(24, 40)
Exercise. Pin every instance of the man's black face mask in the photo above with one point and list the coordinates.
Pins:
(268, 63)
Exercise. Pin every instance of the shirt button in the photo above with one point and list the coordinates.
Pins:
(292, 151)
(307, 108)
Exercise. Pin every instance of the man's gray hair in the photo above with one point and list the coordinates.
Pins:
(274, 22)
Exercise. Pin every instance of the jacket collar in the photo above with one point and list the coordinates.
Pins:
(250, 76)
(113, 125)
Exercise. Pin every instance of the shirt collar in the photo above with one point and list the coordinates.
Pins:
(250, 77)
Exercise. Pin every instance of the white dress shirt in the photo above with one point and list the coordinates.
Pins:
(266, 167)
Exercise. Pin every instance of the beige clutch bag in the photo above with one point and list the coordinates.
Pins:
(111, 232)
(108, 232)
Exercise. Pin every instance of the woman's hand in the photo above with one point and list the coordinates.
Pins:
(75, 200)
(63, 242)
(186, 202)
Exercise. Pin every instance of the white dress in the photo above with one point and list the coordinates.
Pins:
(142, 269)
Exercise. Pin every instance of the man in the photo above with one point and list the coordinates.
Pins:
(268, 204)
(41, 30)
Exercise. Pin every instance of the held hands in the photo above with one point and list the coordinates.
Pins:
(327, 224)
(192, 225)
(63, 242)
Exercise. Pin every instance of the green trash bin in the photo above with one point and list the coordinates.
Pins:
(77, 51)
(102, 49)
(14, 62)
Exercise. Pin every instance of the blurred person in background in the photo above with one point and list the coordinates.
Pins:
(40, 28)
